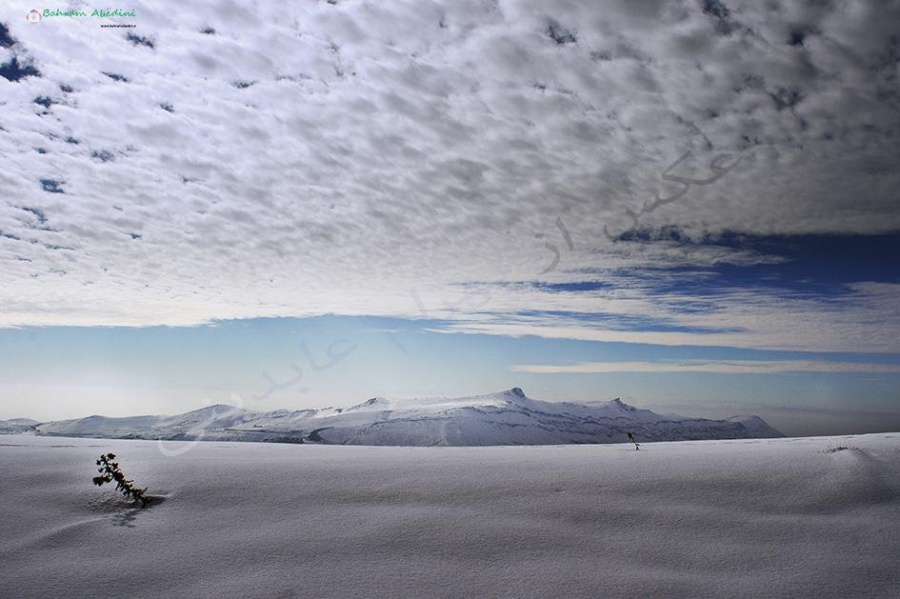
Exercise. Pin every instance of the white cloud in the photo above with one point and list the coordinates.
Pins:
(711, 366)
(320, 158)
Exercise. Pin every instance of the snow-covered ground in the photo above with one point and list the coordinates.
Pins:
(739, 518)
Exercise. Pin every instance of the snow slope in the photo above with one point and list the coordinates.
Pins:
(507, 418)
(743, 518)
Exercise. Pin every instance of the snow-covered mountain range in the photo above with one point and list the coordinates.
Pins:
(506, 418)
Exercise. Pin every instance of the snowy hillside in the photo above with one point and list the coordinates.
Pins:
(17, 425)
(772, 518)
(507, 418)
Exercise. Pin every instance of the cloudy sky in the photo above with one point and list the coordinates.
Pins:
(692, 205)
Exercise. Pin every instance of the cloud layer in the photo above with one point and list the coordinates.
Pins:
(715, 366)
(226, 160)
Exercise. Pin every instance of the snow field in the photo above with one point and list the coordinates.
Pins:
(741, 518)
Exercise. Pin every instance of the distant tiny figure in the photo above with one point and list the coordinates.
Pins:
(631, 438)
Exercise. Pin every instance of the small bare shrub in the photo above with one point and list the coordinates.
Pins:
(109, 472)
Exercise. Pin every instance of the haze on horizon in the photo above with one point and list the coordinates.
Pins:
(690, 205)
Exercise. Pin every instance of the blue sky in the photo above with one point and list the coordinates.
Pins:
(267, 364)
(688, 205)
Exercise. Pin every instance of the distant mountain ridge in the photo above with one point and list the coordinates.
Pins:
(17, 425)
(505, 418)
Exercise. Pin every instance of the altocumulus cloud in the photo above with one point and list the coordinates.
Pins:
(270, 160)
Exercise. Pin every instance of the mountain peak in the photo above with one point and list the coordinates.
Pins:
(219, 408)
(517, 391)
(378, 402)
(622, 405)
